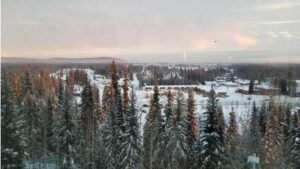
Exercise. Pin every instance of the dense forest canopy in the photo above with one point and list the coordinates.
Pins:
(42, 121)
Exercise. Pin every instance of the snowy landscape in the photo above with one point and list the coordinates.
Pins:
(150, 84)
(71, 116)
(240, 102)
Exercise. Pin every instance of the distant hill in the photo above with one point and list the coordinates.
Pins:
(19, 60)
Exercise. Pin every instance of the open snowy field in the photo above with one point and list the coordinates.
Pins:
(240, 102)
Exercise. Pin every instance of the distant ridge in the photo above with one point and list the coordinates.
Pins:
(19, 60)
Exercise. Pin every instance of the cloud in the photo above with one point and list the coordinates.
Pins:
(245, 41)
(146, 27)
(281, 59)
(277, 6)
(286, 35)
(203, 44)
(283, 34)
(271, 34)
(278, 22)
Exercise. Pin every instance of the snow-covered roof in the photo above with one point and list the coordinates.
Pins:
(231, 84)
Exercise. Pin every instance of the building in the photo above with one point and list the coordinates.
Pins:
(260, 91)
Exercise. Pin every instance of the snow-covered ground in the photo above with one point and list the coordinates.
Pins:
(240, 102)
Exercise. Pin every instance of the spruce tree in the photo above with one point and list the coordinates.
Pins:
(232, 140)
(50, 125)
(106, 95)
(42, 111)
(289, 130)
(263, 115)
(60, 93)
(58, 110)
(89, 125)
(125, 93)
(168, 124)
(273, 138)
(221, 123)
(251, 86)
(212, 154)
(291, 84)
(117, 96)
(191, 120)
(169, 110)
(16, 87)
(33, 125)
(131, 149)
(176, 147)
(287, 122)
(191, 128)
(160, 141)
(125, 100)
(31, 110)
(153, 131)
(12, 146)
(111, 136)
(295, 145)
(26, 84)
(232, 133)
(283, 86)
(254, 136)
(67, 132)
(97, 104)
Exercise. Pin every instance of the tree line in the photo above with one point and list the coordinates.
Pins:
(177, 76)
(40, 117)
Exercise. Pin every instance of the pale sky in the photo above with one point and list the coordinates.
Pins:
(141, 30)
